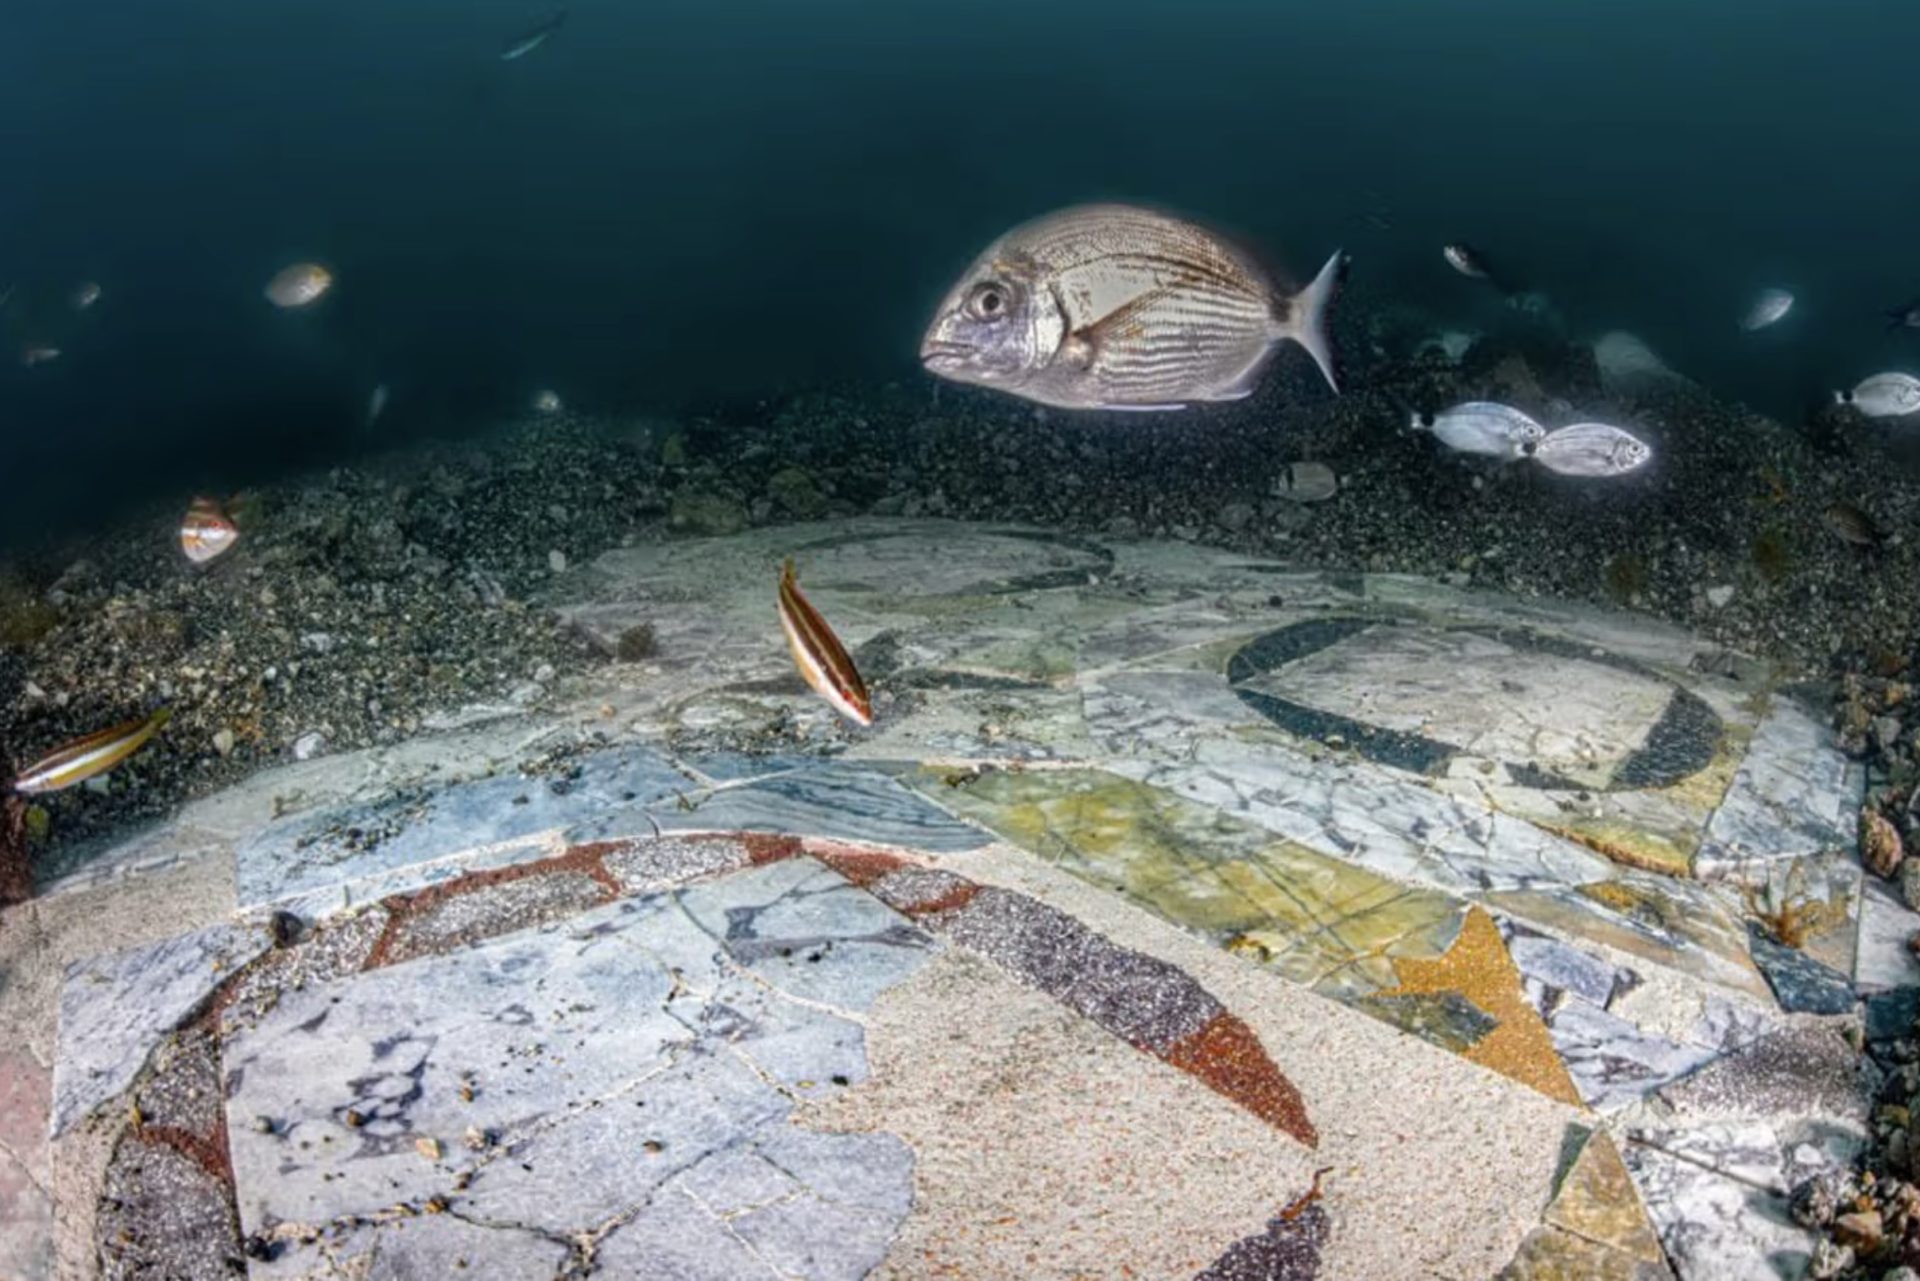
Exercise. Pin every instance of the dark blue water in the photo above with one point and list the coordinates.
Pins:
(681, 200)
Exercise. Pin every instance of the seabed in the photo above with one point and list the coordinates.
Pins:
(1182, 915)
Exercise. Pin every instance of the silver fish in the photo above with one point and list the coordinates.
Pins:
(1904, 317)
(1470, 262)
(1592, 449)
(84, 295)
(521, 46)
(1114, 307)
(376, 404)
(1483, 427)
(1884, 396)
(298, 285)
(1767, 309)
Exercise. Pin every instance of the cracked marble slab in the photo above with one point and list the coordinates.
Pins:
(115, 1009)
(561, 1079)
(1793, 796)
(384, 842)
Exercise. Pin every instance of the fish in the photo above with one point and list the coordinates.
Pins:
(546, 402)
(205, 531)
(1592, 449)
(84, 295)
(376, 404)
(1852, 525)
(1907, 317)
(1470, 262)
(1768, 308)
(298, 285)
(1892, 395)
(89, 757)
(817, 652)
(38, 354)
(521, 46)
(1483, 427)
(1117, 307)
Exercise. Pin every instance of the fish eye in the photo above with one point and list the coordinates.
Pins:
(988, 301)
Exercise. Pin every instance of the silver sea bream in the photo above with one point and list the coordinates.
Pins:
(1892, 395)
(1115, 307)
(1592, 449)
(1483, 427)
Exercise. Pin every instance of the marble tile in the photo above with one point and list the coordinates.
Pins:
(677, 1026)
(838, 802)
(1792, 797)
(1369, 816)
(409, 831)
(1801, 984)
(1597, 1200)
(115, 1009)
(1714, 1226)
(1614, 1062)
(1882, 959)
(1314, 918)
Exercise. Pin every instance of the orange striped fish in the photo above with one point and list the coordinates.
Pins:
(205, 531)
(818, 653)
(89, 757)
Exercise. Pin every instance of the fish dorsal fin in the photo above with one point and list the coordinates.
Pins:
(1083, 344)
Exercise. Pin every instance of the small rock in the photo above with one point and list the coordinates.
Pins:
(354, 1119)
(1234, 517)
(635, 643)
(1862, 1228)
(1721, 596)
(557, 561)
(543, 673)
(1879, 843)
(317, 642)
(430, 1149)
(309, 745)
(557, 514)
(223, 742)
(697, 511)
(263, 1125)
(793, 491)
(1828, 1261)
(476, 1139)
(285, 928)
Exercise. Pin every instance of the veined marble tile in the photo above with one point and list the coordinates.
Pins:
(838, 802)
(115, 1009)
(1614, 1062)
(1369, 816)
(603, 1061)
(1883, 960)
(1316, 919)
(1793, 796)
(318, 851)
(1715, 1226)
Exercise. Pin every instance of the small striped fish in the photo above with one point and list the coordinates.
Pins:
(818, 654)
(1113, 307)
(89, 757)
(205, 531)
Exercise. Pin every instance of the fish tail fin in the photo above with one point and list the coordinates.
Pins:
(160, 717)
(788, 577)
(1306, 319)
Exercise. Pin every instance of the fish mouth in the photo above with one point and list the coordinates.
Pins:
(940, 355)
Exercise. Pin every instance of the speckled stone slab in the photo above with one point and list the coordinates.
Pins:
(115, 1009)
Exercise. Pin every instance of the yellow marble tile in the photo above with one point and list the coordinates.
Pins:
(1316, 919)
(1597, 1200)
(1478, 968)
(1554, 1254)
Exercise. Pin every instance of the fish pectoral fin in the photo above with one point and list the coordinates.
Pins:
(1083, 344)
(1144, 409)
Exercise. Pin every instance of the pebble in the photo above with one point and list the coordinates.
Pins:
(543, 673)
(557, 561)
(1721, 596)
(309, 745)
(223, 742)
(317, 642)
(1879, 843)
(1829, 1260)
(263, 1125)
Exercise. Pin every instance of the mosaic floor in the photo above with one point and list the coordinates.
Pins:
(1180, 916)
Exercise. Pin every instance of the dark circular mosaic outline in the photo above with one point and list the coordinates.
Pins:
(1681, 743)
